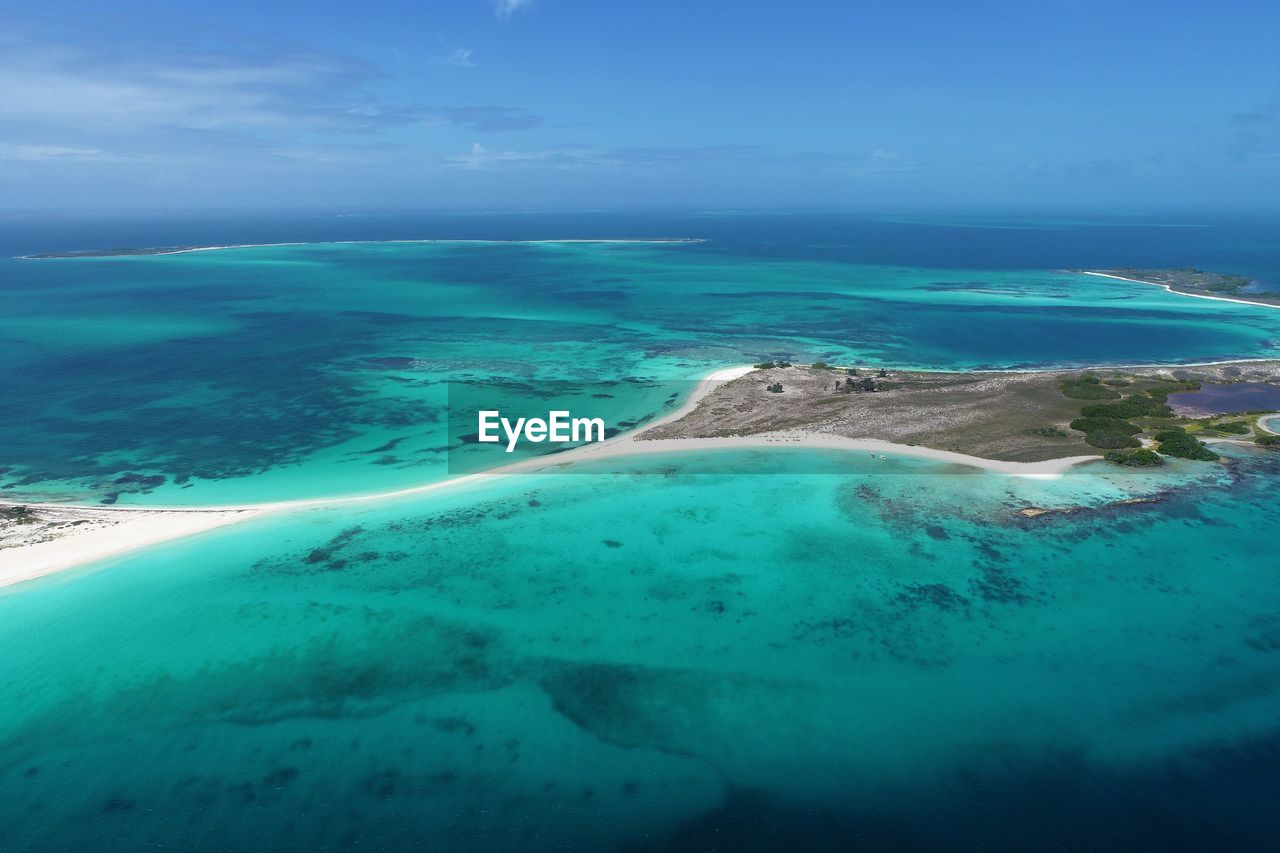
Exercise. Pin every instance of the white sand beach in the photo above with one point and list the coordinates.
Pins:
(66, 537)
(1182, 292)
(108, 532)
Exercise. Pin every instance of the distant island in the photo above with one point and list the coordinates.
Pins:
(179, 250)
(1194, 282)
(112, 253)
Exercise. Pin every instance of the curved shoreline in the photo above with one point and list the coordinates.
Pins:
(1239, 300)
(142, 527)
(146, 252)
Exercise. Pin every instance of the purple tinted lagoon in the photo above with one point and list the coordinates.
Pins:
(1226, 399)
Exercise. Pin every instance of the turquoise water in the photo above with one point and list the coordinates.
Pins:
(687, 651)
(295, 371)
(659, 657)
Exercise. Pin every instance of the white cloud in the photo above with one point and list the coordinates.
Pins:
(49, 152)
(176, 103)
(564, 157)
(460, 57)
(507, 8)
(480, 157)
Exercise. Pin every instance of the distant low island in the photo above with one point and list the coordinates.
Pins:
(1194, 282)
(112, 253)
(178, 250)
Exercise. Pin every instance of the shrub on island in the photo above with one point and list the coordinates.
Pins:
(1086, 387)
(775, 388)
(1100, 424)
(1140, 458)
(1107, 432)
(1267, 440)
(1232, 427)
(1178, 442)
(1107, 440)
(1152, 404)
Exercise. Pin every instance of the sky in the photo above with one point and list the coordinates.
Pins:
(605, 104)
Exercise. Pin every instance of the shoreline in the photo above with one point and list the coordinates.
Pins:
(140, 527)
(144, 252)
(103, 537)
(1170, 289)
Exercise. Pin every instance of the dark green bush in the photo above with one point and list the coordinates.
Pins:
(1180, 443)
(1086, 387)
(1097, 424)
(1140, 458)
(1110, 439)
(1233, 427)
(1107, 432)
(1267, 440)
(1149, 405)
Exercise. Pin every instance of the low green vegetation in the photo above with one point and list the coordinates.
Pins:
(1231, 427)
(769, 365)
(1086, 387)
(776, 388)
(1267, 440)
(821, 365)
(1099, 424)
(1109, 425)
(1050, 431)
(1150, 404)
(1180, 443)
(1191, 279)
(1107, 433)
(1140, 458)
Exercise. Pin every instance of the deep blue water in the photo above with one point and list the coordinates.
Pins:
(1244, 244)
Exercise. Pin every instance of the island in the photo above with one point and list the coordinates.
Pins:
(112, 253)
(1019, 423)
(1194, 282)
(1121, 413)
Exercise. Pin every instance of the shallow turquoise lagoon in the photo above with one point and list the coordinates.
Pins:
(885, 654)
(281, 372)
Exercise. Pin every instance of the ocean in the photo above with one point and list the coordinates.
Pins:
(735, 650)
(281, 372)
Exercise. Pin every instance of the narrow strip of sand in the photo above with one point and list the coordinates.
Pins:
(184, 250)
(108, 532)
(66, 537)
(1235, 299)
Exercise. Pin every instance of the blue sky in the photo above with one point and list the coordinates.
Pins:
(486, 104)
